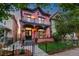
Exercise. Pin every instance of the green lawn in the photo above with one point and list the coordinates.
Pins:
(55, 46)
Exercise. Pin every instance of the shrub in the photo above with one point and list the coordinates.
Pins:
(22, 51)
(57, 37)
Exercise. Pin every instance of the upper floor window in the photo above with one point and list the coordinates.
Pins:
(41, 20)
(28, 17)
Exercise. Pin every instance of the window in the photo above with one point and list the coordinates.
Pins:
(41, 33)
(28, 17)
(41, 20)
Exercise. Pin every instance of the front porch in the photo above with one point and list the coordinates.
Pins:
(36, 32)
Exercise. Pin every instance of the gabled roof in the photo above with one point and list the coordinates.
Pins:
(38, 8)
(55, 14)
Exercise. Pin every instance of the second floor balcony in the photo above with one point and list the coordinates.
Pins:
(35, 21)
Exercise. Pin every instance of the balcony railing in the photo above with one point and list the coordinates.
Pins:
(36, 21)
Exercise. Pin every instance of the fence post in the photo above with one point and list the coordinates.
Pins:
(46, 46)
(13, 49)
(33, 48)
(17, 52)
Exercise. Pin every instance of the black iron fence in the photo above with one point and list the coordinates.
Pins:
(54, 47)
(27, 47)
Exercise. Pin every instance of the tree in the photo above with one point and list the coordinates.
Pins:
(70, 18)
(69, 21)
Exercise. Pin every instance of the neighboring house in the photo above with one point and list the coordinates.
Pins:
(4, 31)
(54, 18)
(57, 17)
(7, 27)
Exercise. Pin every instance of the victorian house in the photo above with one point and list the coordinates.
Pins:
(28, 25)
(35, 24)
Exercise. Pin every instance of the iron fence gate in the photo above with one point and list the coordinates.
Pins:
(24, 47)
(27, 48)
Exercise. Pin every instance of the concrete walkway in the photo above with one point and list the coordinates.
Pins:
(73, 52)
(39, 52)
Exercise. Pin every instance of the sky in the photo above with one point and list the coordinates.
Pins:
(53, 8)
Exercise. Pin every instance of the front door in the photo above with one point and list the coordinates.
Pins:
(28, 34)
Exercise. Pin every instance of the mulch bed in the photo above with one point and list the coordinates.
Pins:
(10, 53)
(5, 53)
(27, 53)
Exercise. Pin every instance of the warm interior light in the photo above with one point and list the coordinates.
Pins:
(40, 30)
(28, 28)
(28, 16)
(33, 17)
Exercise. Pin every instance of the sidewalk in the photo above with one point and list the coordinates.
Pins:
(39, 52)
(73, 52)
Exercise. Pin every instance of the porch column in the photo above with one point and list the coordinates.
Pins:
(33, 42)
(48, 32)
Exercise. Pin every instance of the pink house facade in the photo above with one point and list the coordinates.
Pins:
(35, 25)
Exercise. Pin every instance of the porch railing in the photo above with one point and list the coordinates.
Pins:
(36, 21)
